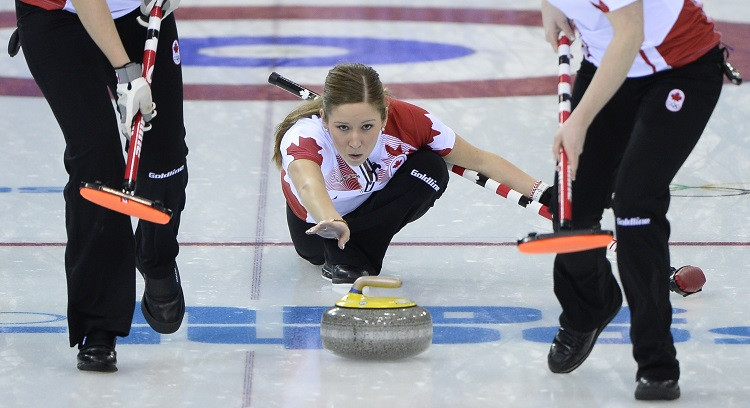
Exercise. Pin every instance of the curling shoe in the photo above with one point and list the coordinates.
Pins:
(163, 303)
(97, 353)
(649, 390)
(570, 348)
(342, 274)
(327, 271)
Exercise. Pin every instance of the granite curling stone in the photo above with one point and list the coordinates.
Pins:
(375, 328)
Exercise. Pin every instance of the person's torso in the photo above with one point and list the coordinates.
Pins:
(118, 8)
(408, 129)
(677, 32)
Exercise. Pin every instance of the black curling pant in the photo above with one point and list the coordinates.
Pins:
(76, 80)
(637, 145)
(374, 223)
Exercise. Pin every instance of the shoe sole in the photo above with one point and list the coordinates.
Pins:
(593, 343)
(100, 368)
(342, 282)
(657, 394)
(338, 287)
(159, 326)
(342, 288)
(326, 273)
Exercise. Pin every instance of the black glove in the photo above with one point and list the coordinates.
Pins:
(546, 197)
(14, 44)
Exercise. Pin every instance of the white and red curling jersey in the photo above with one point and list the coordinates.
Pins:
(409, 128)
(118, 8)
(677, 32)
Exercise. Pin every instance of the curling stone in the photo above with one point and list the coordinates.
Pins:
(375, 327)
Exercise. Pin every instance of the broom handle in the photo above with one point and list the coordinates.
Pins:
(149, 56)
(291, 86)
(563, 96)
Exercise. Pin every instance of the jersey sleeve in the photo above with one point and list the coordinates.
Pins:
(301, 142)
(419, 128)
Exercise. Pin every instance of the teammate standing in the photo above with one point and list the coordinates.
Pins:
(79, 52)
(649, 81)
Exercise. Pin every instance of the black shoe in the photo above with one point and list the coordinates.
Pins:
(163, 303)
(571, 348)
(657, 390)
(327, 271)
(342, 274)
(97, 353)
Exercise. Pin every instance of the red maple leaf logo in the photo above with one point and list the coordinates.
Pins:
(601, 6)
(676, 97)
(397, 163)
(308, 148)
(393, 151)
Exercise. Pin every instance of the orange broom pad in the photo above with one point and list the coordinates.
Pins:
(121, 202)
(565, 241)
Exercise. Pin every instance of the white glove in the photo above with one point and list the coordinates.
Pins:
(167, 7)
(133, 95)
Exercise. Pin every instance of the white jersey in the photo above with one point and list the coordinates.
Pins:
(118, 8)
(677, 32)
(409, 128)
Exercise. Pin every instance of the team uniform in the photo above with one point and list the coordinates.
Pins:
(397, 184)
(634, 147)
(76, 79)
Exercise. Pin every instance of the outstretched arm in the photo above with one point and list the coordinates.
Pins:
(468, 156)
(308, 180)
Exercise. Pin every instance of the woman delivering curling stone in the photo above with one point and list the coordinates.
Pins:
(648, 83)
(357, 166)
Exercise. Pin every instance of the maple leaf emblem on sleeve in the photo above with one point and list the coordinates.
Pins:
(308, 149)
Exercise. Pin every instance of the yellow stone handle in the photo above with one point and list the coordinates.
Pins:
(377, 282)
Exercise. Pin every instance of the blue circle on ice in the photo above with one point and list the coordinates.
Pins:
(311, 51)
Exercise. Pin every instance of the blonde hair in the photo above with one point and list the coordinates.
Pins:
(345, 84)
